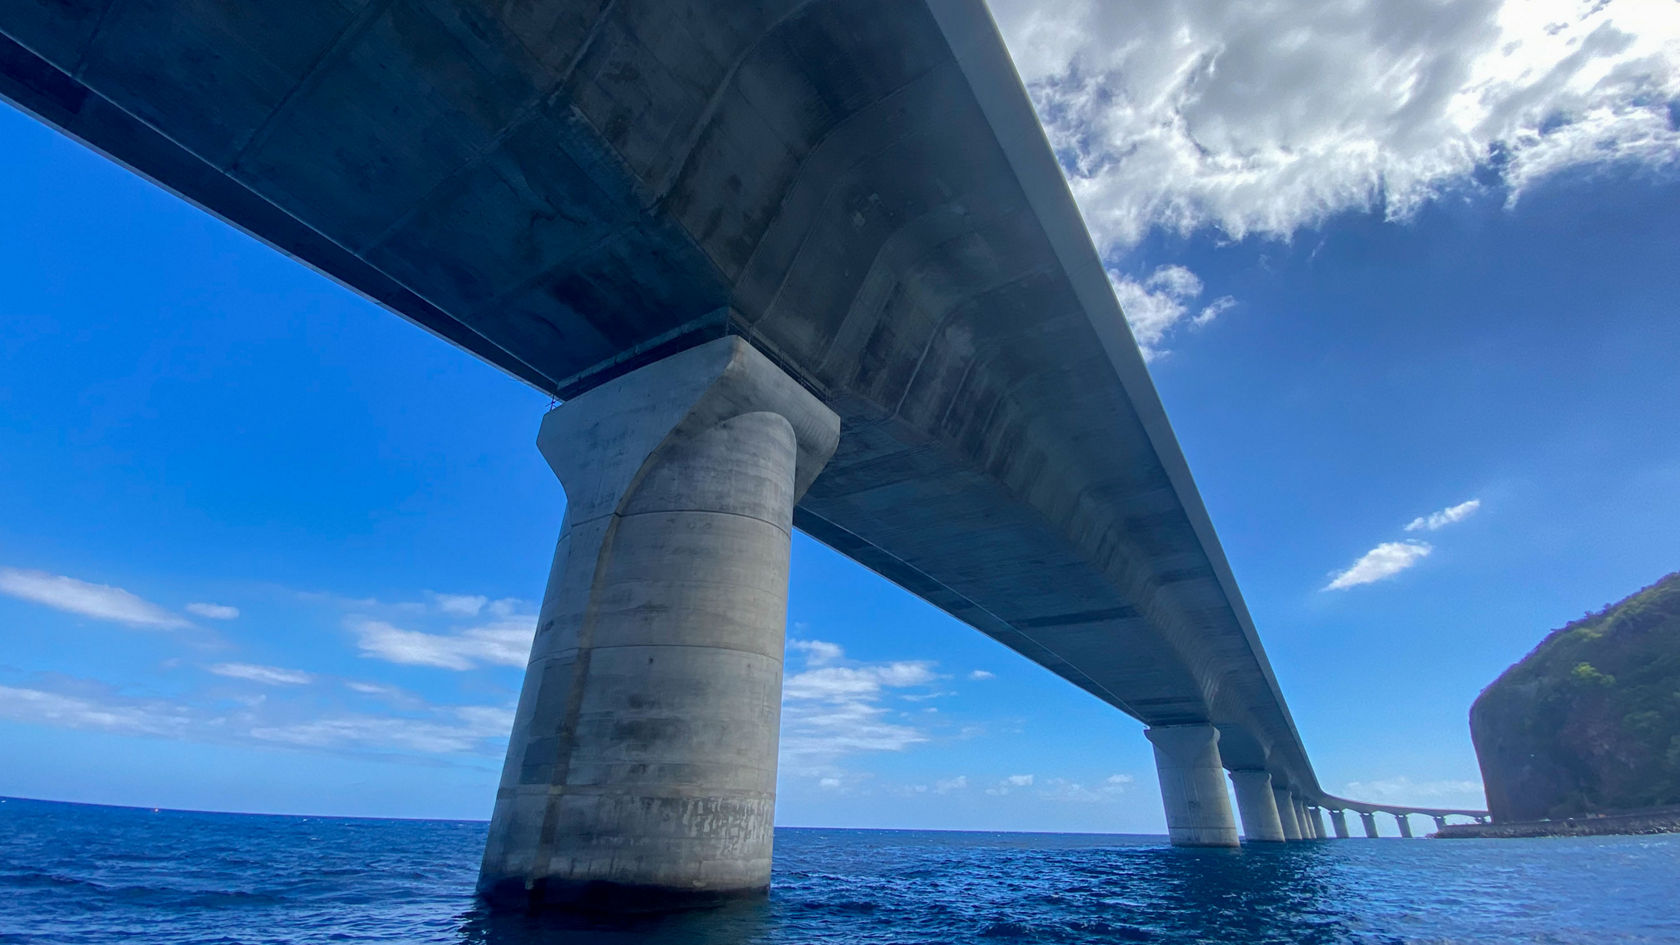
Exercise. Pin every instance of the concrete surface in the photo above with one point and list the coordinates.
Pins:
(1257, 806)
(1193, 786)
(643, 757)
(1286, 813)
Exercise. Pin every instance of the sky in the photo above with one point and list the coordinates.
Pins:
(1404, 272)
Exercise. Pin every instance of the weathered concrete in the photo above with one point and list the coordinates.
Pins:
(1405, 824)
(1193, 786)
(1370, 822)
(1316, 817)
(643, 757)
(1286, 813)
(1301, 822)
(1338, 819)
(1260, 820)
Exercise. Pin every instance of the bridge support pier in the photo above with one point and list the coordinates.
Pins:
(1260, 820)
(1440, 822)
(1317, 817)
(1370, 822)
(642, 766)
(1405, 823)
(1286, 813)
(1301, 820)
(1338, 819)
(1193, 786)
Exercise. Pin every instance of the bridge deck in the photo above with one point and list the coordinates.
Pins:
(571, 189)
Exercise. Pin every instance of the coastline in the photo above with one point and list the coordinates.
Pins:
(1628, 823)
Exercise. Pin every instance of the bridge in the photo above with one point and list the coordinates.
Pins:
(787, 263)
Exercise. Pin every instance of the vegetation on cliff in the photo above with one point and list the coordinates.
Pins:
(1589, 721)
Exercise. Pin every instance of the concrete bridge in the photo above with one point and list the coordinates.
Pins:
(788, 263)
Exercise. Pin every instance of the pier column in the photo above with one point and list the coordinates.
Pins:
(1301, 820)
(1338, 819)
(1286, 813)
(1258, 807)
(1193, 786)
(642, 764)
(1440, 823)
(1370, 822)
(1317, 818)
(1405, 825)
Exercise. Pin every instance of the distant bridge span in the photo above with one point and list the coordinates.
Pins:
(682, 219)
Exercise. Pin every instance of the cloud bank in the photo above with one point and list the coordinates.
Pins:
(1265, 117)
(1435, 521)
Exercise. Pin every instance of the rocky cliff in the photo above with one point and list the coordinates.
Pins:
(1589, 722)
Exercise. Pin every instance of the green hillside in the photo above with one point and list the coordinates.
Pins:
(1590, 720)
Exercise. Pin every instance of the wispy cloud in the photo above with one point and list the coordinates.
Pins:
(420, 729)
(1065, 789)
(127, 717)
(99, 601)
(981, 674)
(504, 642)
(1446, 792)
(1435, 521)
(458, 729)
(1014, 782)
(460, 605)
(1383, 561)
(267, 675)
(1161, 302)
(817, 652)
(829, 711)
(213, 611)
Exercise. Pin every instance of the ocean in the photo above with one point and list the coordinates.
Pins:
(84, 874)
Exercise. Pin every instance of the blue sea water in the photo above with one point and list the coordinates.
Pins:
(84, 874)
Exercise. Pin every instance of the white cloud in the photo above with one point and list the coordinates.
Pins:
(981, 674)
(950, 785)
(1448, 516)
(1162, 302)
(1063, 789)
(1467, 795)
(817, 652)
(100, 601)
(831, 711)
(1012, 783)
(268, 675)
(505, 642)
(1266, 116)
(460, 605)
(1383, 561)
(456, 729)
(125, 717)
(213, 611)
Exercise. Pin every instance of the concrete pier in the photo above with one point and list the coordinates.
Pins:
(642, 764)
(1440, 822)
(1405, 825)
(1193, 786)
(1260, 820)
(1370, 822)
(1301, 823)
(1316, 815)
(1338, 819)
(1286, 813)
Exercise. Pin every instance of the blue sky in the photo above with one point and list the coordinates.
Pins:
(264, 546)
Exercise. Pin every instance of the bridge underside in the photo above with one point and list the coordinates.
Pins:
(574, 189)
